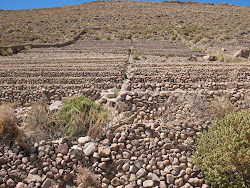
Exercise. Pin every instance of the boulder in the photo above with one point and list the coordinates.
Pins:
(17, 175)
(122, 107)
(104, 151)
(55, 106)
(33, 178)
(148, 183)
(83, 140)
(242, 53)
(10, 183)
(62, 148)
(89, 148)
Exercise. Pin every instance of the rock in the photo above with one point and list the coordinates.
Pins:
(33, 171)
(66, 176)
(170, 178)
(3, 160)
(49, 183)
(132, 169)
(25, 160)
(242, 53)
(126, 155)
(111, 95)
(179, 182)
(106, 180)
(55, 106)
(153, 176)
(109, 135)
(121, 161)
(189, 171)
(205, 186)
(132, 177)
(125, 167)
(192, 59)
(89, 148)
(62, 148)
(102, 166)
(168, 146)
(3, 172)
(104, 151)
(163, 184)
(83, 140)
(122, 107)
(194, 181)
(187, 185)
(21, 185)
(33, 178)
(210, 58)
(33, 157)
(17, 175)
(148, 183)
(140, 173)
(10, 183)
(115, 182)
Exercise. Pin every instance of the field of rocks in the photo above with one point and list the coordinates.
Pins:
(162, 92)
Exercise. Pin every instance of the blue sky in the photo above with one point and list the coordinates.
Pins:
(30, 4)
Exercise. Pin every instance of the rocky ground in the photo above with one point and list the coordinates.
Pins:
(163, 102)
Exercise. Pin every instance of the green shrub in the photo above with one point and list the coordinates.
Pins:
(3, 52)
(9, 51)
(80, 116)
(71, 40)
(27, 47)
(135, 56)
(223, 151)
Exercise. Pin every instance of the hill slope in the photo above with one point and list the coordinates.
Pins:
(199, 22)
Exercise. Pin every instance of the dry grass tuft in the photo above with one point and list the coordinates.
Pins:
(40, 124)
(86, 179)
(9, 131)
(221, 106)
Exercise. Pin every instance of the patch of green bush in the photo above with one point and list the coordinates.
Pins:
(3, 52)
(223, 151)
(9, 51)
(79, 116)
(135, 56)
(27, 47)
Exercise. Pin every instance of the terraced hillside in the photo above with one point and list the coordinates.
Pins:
(143, 61)
(161, 95)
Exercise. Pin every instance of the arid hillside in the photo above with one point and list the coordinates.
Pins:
(198, 22)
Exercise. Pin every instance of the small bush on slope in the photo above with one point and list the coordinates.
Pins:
(40, 123)
(9, 130)
(223, 152)
(80, 116)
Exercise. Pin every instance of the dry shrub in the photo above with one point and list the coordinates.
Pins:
(220, 106)
(9, 131)
(40, 123)
(86, 179)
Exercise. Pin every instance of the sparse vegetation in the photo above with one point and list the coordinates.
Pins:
(223, 152)
(221, 106)
(9, 130)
